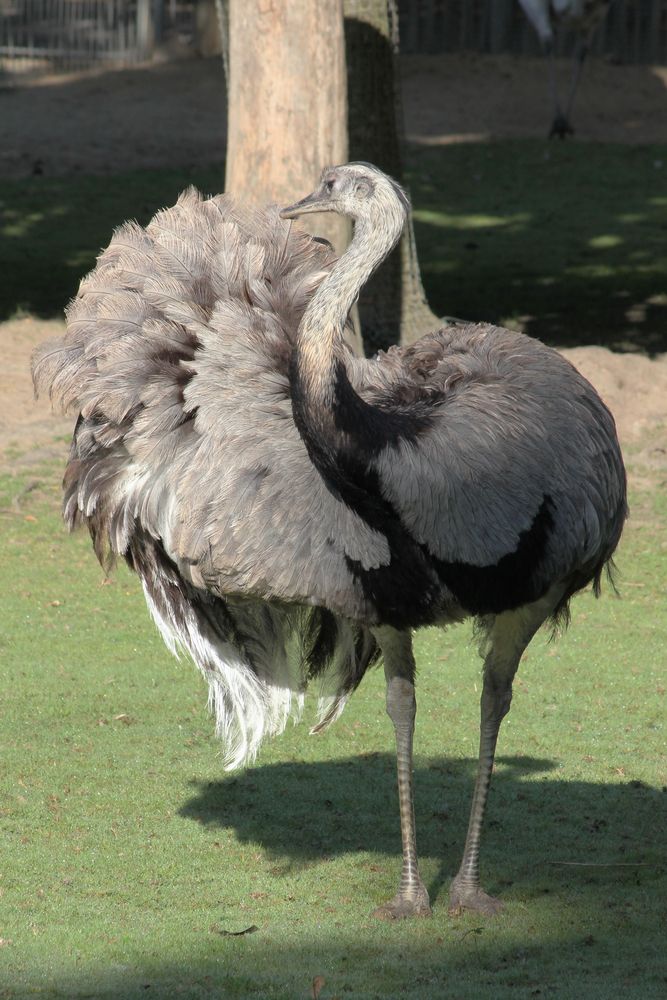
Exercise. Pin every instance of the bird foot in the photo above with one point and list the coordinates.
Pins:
(560, 127)
(466, 897)
(414, 904)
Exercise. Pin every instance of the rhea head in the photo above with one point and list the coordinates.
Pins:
(358, 190)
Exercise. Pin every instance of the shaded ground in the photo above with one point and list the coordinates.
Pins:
(170, 115)
(162, 115)
(468, 97)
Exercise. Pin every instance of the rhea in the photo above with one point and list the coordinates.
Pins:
(581, 18)
(294, 512)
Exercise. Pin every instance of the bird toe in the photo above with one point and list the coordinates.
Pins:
(473, 898)
(403, 906)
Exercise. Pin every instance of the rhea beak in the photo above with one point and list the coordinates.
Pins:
(311, 203)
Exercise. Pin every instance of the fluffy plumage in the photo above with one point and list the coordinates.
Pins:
(186, 460)
(290, 508)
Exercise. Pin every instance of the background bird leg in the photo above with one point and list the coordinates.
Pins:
(583, 46)
(508, 635)
(399, 665)
(560, 125)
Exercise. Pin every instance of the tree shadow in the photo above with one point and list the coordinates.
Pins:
(524, 235)
(52, 229)
(565, 241)
(82, 153)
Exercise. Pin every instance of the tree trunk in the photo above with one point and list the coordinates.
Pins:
(392, 306)
(145, 29)
(287, 103)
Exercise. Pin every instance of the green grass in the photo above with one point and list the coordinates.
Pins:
(566, 241)
(563, 240)
(52, 229)
(126, 850)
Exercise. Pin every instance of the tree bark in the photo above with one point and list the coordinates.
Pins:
(287, 114)
(294, 82)
(287, 107)
(392, 306)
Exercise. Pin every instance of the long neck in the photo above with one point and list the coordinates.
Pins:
(319, 342)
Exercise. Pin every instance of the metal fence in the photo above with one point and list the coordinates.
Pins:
(73, 34)
(65, 34)
(635, 31)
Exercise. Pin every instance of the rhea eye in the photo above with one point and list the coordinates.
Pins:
(329, 185)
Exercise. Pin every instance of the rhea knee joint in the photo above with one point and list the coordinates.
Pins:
(401, 703)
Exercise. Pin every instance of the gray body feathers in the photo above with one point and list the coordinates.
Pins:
(269, 553)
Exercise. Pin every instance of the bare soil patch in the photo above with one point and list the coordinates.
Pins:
(29, 429)
(634, 388)
(468, 97)
(173, 113)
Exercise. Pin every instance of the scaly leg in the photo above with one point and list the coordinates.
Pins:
(411, 900)
(560, 125)
(465, 892)
(583, 49)
(508, 636)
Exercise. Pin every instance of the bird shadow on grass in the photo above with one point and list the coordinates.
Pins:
(540, 830)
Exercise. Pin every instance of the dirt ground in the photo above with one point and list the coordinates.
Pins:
(172, 113)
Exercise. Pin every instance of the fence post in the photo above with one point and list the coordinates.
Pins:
(499, 17)
(145, 28)
(652, 51)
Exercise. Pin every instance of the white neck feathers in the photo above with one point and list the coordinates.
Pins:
(320, 335)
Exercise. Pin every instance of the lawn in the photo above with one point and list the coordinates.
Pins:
(565, 241)
(131, 861)
(129, 855)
